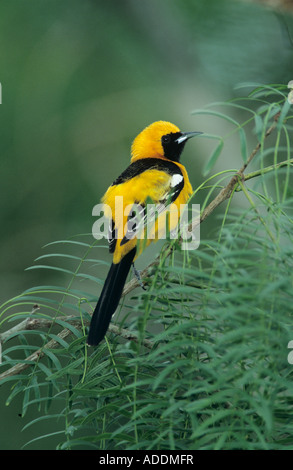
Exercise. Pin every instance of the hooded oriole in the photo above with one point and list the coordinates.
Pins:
(154, 174)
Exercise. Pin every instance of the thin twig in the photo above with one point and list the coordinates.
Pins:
(21, 366)
(126, 334)
(53, 344)
(268, 169)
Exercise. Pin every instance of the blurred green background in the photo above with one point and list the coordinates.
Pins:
(80, 79)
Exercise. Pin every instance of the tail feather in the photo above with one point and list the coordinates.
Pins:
(109, 298)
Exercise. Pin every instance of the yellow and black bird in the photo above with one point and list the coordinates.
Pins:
(156, 175)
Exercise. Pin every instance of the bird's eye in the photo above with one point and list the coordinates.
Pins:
(166, 139)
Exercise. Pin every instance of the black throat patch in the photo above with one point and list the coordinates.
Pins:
(172, 149)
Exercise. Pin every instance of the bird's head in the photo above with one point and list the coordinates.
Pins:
(161, 139)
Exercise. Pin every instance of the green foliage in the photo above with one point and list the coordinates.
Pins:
(214, 373)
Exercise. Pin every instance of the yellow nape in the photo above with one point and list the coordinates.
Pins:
(148, 143)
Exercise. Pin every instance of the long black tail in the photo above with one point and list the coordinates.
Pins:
(109, 298)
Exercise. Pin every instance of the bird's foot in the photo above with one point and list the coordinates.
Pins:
(138, 277)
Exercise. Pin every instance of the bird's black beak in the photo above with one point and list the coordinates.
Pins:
(185, 136)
